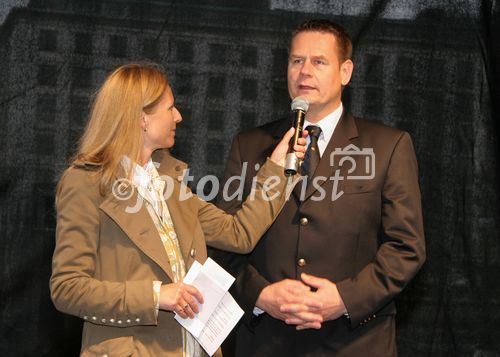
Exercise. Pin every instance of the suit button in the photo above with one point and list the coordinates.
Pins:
(304, 221)
(301, 262)
(192, 253)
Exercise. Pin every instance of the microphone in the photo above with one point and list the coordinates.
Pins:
(299, 106)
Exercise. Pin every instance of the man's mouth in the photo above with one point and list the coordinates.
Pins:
(305, 87)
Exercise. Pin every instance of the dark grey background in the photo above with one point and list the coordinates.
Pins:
(429, 67)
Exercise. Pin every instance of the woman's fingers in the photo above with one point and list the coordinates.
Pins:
(179, 309)
(190, 304)
(194, 292)
(181, 298)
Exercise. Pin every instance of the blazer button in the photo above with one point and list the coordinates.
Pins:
(192, 253)
(301, 262)
(304, 221)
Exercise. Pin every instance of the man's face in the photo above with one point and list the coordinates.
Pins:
(315, 72)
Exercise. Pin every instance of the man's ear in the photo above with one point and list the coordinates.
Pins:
(346, 69)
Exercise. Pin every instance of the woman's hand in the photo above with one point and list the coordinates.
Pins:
(180, 298)
(279, 153)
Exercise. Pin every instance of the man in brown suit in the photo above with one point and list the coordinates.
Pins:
(323, 279)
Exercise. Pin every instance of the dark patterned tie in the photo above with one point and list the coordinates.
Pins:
(311, 158)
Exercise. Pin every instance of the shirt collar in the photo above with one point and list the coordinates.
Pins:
(327, 124)
(143, 176)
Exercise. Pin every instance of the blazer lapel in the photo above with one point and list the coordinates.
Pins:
(182, 217)
(344, 132)
(132, 216)
(183, 221)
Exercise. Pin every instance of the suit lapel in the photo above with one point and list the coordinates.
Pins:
(344, 132)
(279, 130)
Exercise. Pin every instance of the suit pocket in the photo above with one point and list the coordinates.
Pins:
(358, 187)
(114, 347)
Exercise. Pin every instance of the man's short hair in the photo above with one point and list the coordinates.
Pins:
(344, 42)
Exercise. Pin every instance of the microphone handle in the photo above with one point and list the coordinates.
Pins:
(292, 163)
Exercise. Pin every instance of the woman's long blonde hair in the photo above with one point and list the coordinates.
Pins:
(114, 126)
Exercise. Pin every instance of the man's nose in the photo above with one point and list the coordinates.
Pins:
(306, 68)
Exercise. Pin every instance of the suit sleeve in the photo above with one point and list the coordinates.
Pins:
(402, 251)
(231, 203)
(249, 283)
(229, 198)
(73, 284)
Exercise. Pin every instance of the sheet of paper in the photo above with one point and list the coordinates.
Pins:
(222, 321)
(193, 272)
(212, 295)
(219, 313)
(218, 274)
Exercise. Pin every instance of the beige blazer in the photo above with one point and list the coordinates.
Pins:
(106, 258)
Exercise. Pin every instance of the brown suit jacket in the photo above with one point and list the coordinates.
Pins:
(369, 241)
(106, 259)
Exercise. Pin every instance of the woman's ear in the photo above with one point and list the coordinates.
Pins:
(144, 123)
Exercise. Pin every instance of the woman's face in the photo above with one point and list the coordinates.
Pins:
(159, 126)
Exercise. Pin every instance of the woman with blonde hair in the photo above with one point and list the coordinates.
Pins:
(123, 245)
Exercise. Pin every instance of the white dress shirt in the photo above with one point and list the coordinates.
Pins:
(327, 125)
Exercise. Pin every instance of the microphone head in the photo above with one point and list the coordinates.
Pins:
(300, 103)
